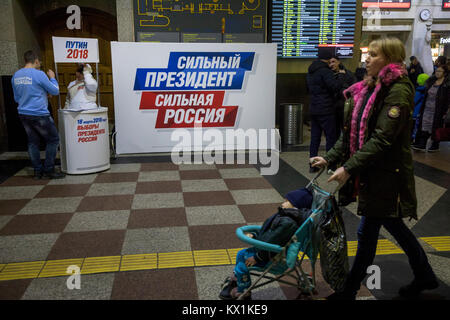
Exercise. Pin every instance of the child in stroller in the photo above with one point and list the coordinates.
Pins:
(277, 229)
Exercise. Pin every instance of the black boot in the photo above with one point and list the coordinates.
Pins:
(343, 295)
(53, 175)
(413, 289)
(37, 175)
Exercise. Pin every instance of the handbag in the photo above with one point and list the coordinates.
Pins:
(442, 134)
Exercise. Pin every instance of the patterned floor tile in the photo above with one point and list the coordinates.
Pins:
(199, 174)
(158, 200)
(20, 248)
(203, 185)
(12, 207)
(155, 284)
(120, 202)
(36, 224)
(258, 212)
(107, 189)
(51, 205)
(13, 289)
(194, 199)
(125, 167)
(215, 237)
(72, 245)
(98, 220)
(209, 215)
(158, 176)
(117, 177)
(151, 218)
(159, 166)
(74, 179)
(153, 240)
(239, 173)
(14, 193)
(66, 190)
(92, 287)
(158, 187)
(247, 183)
(20, 181)
(256, 196)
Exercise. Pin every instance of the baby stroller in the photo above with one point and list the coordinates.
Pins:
(305, 242)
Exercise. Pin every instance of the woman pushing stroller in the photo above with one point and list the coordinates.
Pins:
(376, 164)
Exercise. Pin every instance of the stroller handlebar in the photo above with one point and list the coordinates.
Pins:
(256, 243)
(314, 180)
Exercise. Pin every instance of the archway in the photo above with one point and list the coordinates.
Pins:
(95, 24)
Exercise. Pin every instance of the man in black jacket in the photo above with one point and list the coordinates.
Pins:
(346, 79)
(323, 88)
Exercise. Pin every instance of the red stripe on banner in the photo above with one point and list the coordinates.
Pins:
(386, 5)
(182, 117)
(335, 45)
(164, 99)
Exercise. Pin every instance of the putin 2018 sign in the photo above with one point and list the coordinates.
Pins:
(161, 87)
(75, 50)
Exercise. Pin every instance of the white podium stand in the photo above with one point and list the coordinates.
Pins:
(84, 140)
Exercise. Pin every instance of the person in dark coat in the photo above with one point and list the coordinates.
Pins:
(434, 108)
(346, 79)
(323, 88)
(360, 72)
(414, 70)
(376, 165)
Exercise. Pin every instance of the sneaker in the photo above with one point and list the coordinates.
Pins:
(228, 285)
(413, 289)
(418, 147)
(54, 175)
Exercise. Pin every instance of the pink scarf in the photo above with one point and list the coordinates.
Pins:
(387, 75)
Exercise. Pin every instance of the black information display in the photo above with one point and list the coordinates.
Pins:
(445, 4)
(200, 20)
(300, 27)
(387, 4)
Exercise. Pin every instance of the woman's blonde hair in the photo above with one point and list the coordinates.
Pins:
(392, 48)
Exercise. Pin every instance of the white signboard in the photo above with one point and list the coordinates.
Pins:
(75, 50)
(162, 87)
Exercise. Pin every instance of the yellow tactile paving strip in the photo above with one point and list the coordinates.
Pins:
(438, 243)
(91, 265)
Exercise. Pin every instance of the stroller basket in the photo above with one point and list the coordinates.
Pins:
(288, 259)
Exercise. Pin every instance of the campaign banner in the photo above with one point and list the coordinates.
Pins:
(162, 87)
(75, 50)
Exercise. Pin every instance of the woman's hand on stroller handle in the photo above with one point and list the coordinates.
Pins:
(318, 162)
(340, 175)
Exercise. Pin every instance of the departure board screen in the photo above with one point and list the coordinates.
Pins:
(445, 4)
(301, 27)
(387, 4)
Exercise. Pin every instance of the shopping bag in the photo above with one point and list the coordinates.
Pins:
(333, 248)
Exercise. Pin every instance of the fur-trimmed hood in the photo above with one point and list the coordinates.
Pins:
(387, 76)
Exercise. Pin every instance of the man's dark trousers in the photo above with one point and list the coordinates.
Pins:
(38, 127)
(322, 123)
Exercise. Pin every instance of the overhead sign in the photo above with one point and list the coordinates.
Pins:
(387, 4)
(161, 87)
(75, 50)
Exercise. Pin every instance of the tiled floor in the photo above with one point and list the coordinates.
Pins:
(148, 205)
